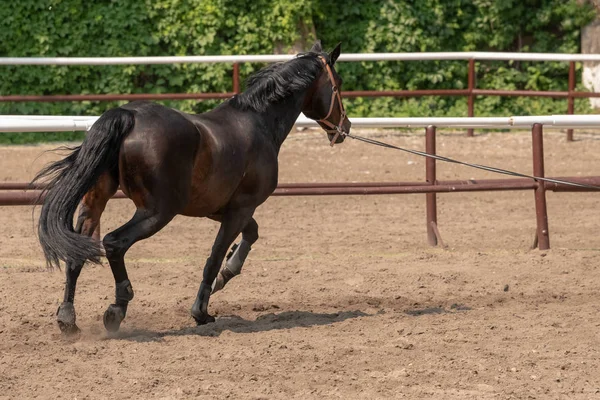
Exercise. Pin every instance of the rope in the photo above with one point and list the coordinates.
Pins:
(478, 166)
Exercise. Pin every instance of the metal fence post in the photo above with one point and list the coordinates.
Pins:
(570, 98)
(430, 176)
(541, 212)
(471, 97)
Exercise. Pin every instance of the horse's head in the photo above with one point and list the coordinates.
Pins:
(324, 99)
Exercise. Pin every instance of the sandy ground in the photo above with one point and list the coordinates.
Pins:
(341, 297)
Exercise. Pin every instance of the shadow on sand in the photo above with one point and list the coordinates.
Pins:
(267, 322)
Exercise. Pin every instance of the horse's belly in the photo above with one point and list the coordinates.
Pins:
(209, 196)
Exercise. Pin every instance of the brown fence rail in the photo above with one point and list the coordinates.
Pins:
(15, 194)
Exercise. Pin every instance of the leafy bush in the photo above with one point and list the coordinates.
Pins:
(455, 25)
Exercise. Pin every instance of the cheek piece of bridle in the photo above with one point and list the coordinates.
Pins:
(334, 129)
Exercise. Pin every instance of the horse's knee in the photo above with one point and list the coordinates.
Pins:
(250, 233)
(252, 238)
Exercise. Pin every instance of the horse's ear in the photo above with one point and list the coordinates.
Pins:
(333, 56)
(316, 48)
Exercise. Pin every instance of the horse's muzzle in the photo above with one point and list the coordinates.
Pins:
(345, 129)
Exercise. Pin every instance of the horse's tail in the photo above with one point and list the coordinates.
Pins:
(70, 179)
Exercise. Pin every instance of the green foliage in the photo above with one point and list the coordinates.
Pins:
(454, 25)
(79, 28)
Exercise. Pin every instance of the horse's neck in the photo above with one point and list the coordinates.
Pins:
(280, 117)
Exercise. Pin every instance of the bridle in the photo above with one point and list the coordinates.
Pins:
(334, 129)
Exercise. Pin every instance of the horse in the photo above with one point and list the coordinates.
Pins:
(221, 164)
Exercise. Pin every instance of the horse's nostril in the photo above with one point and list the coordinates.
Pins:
(347, 125)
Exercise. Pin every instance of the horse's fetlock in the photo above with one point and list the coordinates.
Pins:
(124, 292)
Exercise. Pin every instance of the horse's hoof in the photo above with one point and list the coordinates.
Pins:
(113, 317)
(68, 330)
(206, 319)
(65, 316)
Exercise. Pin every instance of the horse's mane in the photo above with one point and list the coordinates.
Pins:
(277, 81)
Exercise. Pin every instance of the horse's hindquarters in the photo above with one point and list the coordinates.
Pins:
(156, 160)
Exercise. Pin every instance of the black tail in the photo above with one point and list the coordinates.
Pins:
(70, 179)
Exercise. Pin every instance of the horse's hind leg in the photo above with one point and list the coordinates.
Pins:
(91, 209)
(235, 259)
(142, 225)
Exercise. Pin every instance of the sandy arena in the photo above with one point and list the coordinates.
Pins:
(341, 297)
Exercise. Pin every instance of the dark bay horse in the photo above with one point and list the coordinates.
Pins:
(221, 164)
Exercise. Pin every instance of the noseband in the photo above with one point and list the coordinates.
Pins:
(336, 130)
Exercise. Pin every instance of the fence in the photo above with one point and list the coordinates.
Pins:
(471, 92)
(27, 195)
(431, 186)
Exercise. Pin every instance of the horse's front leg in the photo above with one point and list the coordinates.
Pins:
(235, 260)
(232, 223)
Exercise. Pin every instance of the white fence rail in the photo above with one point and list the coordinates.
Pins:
(477, 55)
(14, 123)
(46, 123)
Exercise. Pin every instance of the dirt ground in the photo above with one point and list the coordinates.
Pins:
(342, 297)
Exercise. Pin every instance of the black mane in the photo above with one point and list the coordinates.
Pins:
(277, 81)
